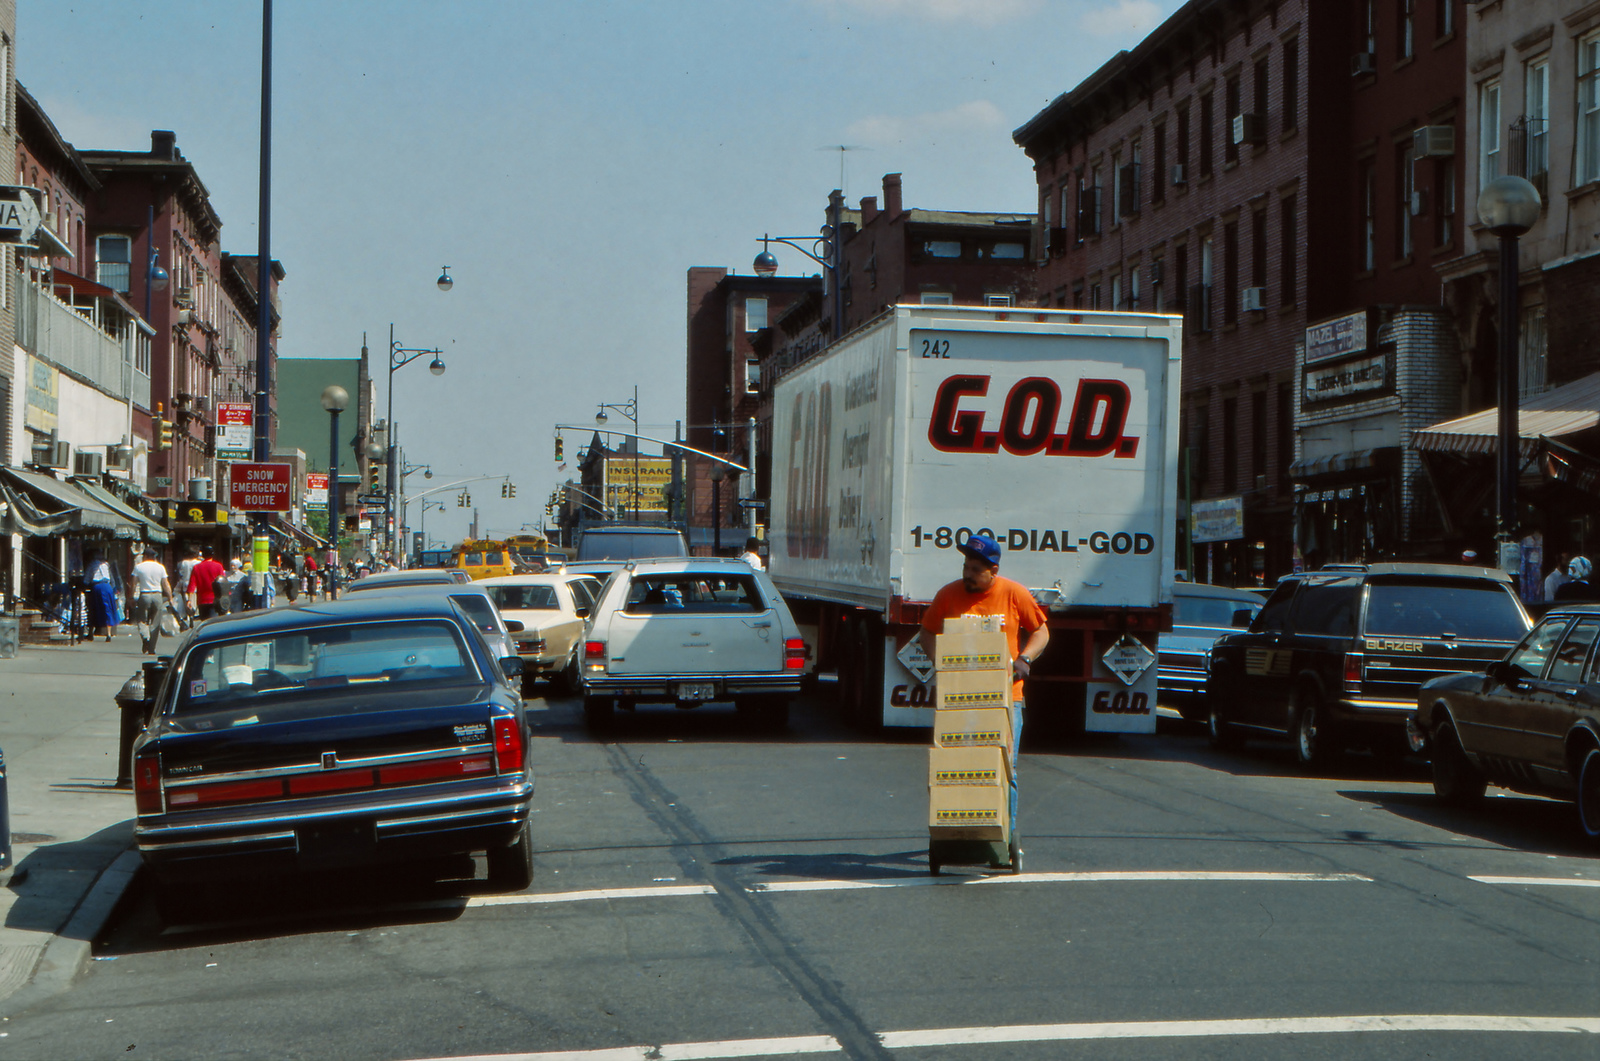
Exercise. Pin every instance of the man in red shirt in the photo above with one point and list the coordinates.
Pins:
(202, 583)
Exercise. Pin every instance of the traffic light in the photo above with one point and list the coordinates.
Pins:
(461, 499)
(375, 476)
(163, 429)
(512, 488)
(505, 489)
(559, 448)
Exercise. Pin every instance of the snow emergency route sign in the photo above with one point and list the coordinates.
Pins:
(260, 487)
(916, 661)
(1128, 659)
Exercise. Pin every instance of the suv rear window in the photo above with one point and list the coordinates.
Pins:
(627, 545)
(693, 594)
(1429, 608)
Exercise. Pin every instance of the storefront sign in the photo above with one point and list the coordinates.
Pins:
(42, 408)
(654, 476)
(1352, 377)
(195, 512)
(1218, 520)
(235, 430)
(316, 495)
(1339, 337)
(260, 487)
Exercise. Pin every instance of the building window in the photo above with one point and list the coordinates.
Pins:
(1158, 186)
(755, 314)
(1406, 45)
(1116, 291)
(1488, 132)
(1116, 189)
(1258, 250)
(1258, 436)
(1094, 295)
(1008, 250)
(1589, 109)
(1370, 39)
(1180, 275)
(1066, 210)
(1288, 251)
(1077, 294)
(113, 256)
(1405, 186)
(1230, 272)
(1157, 289)
(937, 298)
(1181, 148)
(1230, 445)
(1291, 84)
(1444, 196)
(1206, 109)
(942, 248)
(1133, 288)
(752, 376)
(1231, 105)
(1285, 430)
(1369, 218)
(1532, 374)
(1536, 125)
(1259, 103)
(1445, 22)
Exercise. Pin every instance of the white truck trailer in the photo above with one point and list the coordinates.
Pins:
(1053, 430)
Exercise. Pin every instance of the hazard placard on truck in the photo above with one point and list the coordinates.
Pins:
(1053, 431)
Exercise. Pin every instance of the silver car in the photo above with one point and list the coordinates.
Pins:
(472, 599)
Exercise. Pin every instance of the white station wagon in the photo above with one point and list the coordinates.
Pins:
(690, 630)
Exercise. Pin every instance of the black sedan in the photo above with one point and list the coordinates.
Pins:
(334, 734)
(1529, 722)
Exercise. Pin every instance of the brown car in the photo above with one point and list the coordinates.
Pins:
(1529, 722)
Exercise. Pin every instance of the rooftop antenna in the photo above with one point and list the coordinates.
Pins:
(841, 148)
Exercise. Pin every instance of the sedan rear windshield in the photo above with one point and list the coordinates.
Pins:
(1209, 611)
(479, 610)
(1422, 608)
(694, 595)
(524, 598)
(629, 546)
(234, 674)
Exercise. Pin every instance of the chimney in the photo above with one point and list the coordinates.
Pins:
(891, 195)
(163, 144)
(869, 209)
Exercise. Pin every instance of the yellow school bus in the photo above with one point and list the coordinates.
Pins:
(482, 558)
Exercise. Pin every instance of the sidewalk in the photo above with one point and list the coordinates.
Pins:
(71, 828)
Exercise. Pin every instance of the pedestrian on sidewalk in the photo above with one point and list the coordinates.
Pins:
(102, 579)
(186, 568)
(203, 584)
(150, 591)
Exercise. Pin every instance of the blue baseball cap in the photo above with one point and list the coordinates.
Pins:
(981, 547)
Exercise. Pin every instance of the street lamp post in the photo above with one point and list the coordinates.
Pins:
(718, 473)
(631, 411)
(400, 357)
(1508, 206)
(334, 399)
(424, 518)
(827, 250)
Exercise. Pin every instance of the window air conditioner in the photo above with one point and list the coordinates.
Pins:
(1434, 141)
(88, 463)
(59, 454)
(1249, 129)
(184, 296)
(1177, 175)
(1155, 272)
(121, 462)
(1363, 63)
(1253, 299)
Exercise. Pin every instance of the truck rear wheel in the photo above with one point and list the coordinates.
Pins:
(866, 705)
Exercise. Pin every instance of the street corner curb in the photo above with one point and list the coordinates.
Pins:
(68, 950)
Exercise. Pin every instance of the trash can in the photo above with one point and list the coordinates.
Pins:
(134, 705)
(10, 635)
(5, 817)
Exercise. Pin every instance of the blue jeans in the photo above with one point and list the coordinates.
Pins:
(1016, 742)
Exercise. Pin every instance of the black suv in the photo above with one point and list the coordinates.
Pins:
(1335, 657)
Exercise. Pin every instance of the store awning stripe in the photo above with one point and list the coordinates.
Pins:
(154, 532)
(1563, 410)
(82, 511)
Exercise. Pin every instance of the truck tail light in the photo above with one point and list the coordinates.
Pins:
(1352, 672)
(147, 785)
(508, 745)
(795, 651)
(594, 655)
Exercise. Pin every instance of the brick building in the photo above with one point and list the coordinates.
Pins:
(1174, 178)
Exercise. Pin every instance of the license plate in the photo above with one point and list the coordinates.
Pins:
(331, 845)
(697, 690)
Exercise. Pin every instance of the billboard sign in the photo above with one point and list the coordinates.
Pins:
(1218, 520)
(654, 476)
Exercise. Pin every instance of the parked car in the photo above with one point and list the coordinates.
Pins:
(688, 631)
(340, 734)
(1529, 722)
(470, 598)
(1335, 658)
(551, 609)
(415, 576)
(1200, 615)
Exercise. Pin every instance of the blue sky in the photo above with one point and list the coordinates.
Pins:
(569, 161)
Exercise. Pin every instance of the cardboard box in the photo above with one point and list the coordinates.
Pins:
(971, 651)
(974, 624)
(967, 689)
(988, 727)
(969, 794)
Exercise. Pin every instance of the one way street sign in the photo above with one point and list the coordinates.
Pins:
(19, 214)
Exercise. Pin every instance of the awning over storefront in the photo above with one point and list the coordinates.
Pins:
(42, 506)
(1338, 463)
(154, 532)
(1564, 410)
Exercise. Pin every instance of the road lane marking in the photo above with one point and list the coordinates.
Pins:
(800, 1044)
(1033, 1033)
(1193, 1029)
(1551, 882)
(1057, 878)
(595, 893)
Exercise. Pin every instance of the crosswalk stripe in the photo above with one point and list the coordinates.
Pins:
(526, 899)
(1545, 882)
(1088, 876)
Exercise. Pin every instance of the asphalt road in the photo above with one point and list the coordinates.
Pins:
(699, 886)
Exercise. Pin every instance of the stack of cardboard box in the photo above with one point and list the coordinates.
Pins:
(969, 765)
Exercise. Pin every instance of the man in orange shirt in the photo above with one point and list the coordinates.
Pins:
(981, 591)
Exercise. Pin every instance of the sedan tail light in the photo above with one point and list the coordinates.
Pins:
(508, 745)
(795, 651)
(147, 785)
(1352, 672)
(594, 655)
